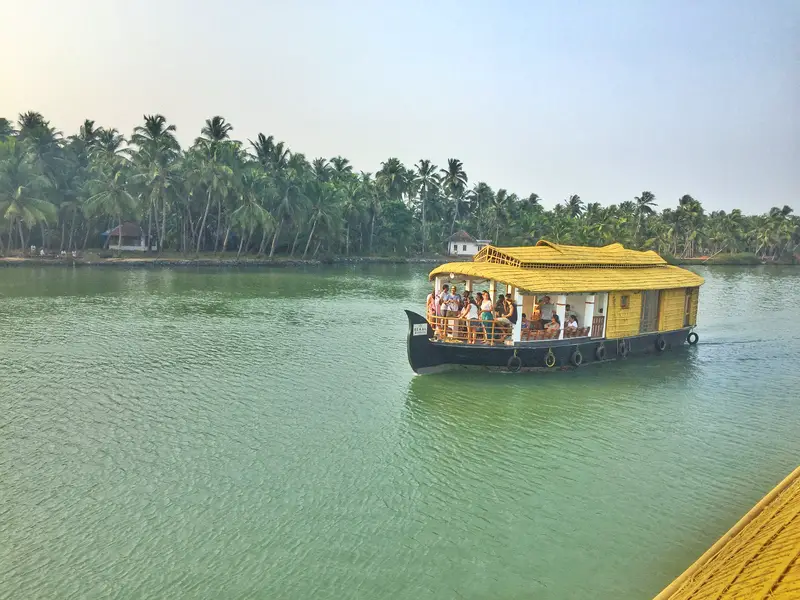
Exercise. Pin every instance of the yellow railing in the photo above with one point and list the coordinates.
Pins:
(469, 331)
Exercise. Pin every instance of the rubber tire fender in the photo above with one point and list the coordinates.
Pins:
(600, 352)
(514, 364)
(550, 359)
(623, 348)
(661, 344)
(692, 336)
(577, 358)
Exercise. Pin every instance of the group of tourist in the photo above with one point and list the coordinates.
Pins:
(477, 318)
(483, 318)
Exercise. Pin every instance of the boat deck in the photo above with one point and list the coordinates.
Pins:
(759, 558)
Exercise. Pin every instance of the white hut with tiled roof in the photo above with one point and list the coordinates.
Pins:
(463, 244)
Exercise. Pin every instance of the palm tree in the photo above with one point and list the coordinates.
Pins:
(251, 213)
(454, 182)
(108, 145)
(264, 147)
(391, 182)
(6, 129)
(425, 181)
(158, 149)
(689, 215)
(111, 196)
(392, 178)
(290, 203)
(30, 124)
(498, 212)
(22, 190)
(645, 207)
(322, 170)
(342, 169)
(211, 175)
(87, 133)
(574, 206)
(324, 206)
(215, 130)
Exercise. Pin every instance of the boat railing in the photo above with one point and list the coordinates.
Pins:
(492, 332)
(470, 331)
(549, 334)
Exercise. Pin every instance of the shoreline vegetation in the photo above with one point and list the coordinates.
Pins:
(139, 260)
(259, 201)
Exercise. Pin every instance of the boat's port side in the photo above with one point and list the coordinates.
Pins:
(427, 354)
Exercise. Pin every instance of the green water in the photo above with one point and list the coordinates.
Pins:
(259, 434)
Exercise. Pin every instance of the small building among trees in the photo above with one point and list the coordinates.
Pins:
(129, 238)
(463, 244)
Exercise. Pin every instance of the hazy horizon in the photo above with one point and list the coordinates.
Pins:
(676, 98)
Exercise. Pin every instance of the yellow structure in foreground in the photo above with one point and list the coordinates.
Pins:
(759, 558)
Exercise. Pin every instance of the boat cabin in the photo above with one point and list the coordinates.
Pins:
(565, 292)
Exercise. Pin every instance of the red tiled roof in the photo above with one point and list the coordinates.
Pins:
(128, 230)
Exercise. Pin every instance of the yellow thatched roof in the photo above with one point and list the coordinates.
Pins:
(574, 280)
(758, 559)
(548, 253)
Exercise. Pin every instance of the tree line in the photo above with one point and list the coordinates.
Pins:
(262, 198)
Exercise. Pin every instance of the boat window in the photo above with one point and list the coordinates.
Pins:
(625, 302)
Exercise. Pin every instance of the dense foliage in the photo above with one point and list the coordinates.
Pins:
(260, 197)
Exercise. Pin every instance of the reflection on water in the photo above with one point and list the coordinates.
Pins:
(206, 433)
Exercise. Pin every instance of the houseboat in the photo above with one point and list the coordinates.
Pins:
(584, 305)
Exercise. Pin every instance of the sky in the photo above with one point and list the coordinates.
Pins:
(603, 99)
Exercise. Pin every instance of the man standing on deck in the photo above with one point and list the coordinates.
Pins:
(453, 303)
(546, 309)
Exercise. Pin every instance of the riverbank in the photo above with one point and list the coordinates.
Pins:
(136, 260)
(131, 260)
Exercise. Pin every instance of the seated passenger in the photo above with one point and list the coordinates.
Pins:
(572, 322)
(511, 310)
(502, 311)
(554, 324)
(525, 323)
(500, 307)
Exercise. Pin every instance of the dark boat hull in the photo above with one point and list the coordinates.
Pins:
(426, 356)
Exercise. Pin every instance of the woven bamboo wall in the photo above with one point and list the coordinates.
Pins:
(670, 311)
(693, 312)
(623, 322)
